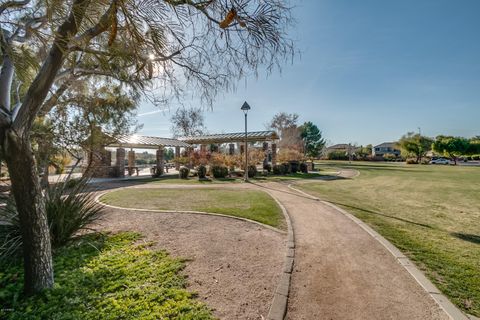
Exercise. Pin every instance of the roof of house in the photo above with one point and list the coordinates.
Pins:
(341, 146)
(231, 137)
(387, 145)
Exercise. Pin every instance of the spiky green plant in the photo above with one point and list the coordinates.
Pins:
(69, 210)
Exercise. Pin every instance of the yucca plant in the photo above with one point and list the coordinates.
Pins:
(69, 210)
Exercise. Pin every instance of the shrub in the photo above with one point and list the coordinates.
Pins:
(294, 166)
(71, 183)
(337, 155)
(389, 157)
(476, 157)
(277, 169)
(267, 167)
(183, 172)
(252, 171)
(202, 171)
(67, 213)
(303, 167)
(219, 171)
(412, 161)
(286, 168)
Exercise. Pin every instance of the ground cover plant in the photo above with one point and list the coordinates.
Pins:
(431, 213)
(250, 204)
(105, 277)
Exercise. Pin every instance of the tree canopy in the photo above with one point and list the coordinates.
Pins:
(312, 138)
(414, 144)
(450, 146)
(187, 122)
(160, 49)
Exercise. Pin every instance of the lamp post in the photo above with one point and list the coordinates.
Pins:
(245, 107)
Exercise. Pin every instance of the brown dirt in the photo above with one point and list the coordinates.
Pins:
(233, 265)
(341, 272)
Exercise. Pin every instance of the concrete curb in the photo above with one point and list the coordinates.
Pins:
(278, 308)
(447, 306)
(97, 200)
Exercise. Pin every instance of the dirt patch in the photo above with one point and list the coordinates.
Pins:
(233, 265)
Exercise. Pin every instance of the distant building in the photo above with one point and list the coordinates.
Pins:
(385, 148)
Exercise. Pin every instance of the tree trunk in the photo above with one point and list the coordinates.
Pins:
(37, 255)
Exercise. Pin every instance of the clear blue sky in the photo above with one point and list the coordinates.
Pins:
(369, 71)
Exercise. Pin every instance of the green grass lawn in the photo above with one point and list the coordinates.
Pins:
(254, 205)
(431, 213)
(105, 278)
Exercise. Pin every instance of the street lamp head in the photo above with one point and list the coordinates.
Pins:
(245, 107)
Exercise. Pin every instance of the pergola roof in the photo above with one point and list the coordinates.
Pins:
(231, 137)
(146, 142)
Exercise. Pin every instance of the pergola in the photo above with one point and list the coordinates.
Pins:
(145, 142)
(254, 136)
(103, 162)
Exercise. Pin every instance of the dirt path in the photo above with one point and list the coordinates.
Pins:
(233, 265)
(341, 272)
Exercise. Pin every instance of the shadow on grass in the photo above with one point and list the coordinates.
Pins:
(383, 215)
(473, 238)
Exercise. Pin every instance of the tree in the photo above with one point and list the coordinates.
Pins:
(473, 146)
(283, 121)
(205, 46)
(414, 144)
(364, 152)
(187, 122)
(312, 139)
(451, 147)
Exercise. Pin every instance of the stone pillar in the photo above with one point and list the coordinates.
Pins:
(274, 154)
(120, 162)
(265, 152)
(177, 155)
(242, 149)
(159, 170)
(131, 161)
(189, 155)
(231, 149)
(203, 148)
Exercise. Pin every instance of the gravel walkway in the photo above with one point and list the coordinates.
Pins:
(341, 272)
(233, 265)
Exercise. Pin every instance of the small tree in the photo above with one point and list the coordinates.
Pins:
(414, 144)
(188, 122)
(451, 147)
(312, 139)
(282, 121)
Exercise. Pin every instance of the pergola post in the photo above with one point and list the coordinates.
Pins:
(274, 154)
(131, 161)
(159, 169)
(203, 148)
(265, 151)
(177, 155)
(120, 162)
(231, 149)
(242, 149)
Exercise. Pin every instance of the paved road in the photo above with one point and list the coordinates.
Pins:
(341, 272)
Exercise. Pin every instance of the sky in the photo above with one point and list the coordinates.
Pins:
(368, 72)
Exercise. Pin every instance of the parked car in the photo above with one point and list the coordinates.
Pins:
(440, 161)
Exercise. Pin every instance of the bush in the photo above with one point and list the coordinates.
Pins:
(294, 165)
(252, 171)
(267, 167)
(389, 157)
(337, 155)
(286, 168)
(412, 161)
(183, 172)
(67, 213)
(202, 171)
(476, 157)
(219, 172)
(303, 167)
(277, 169)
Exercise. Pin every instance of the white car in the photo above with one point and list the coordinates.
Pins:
(440, 161)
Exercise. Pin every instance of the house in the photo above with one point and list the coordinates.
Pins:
(385, 148)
